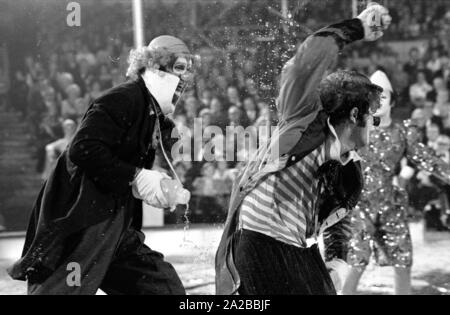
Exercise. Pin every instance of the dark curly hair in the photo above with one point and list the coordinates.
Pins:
(342, 91)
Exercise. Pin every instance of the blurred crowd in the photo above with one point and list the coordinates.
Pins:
(414, 19)
(53, 91)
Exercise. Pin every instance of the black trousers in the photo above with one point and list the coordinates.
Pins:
(112, 257)
(269, 267)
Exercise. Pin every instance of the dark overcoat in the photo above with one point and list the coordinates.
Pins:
(91, 180)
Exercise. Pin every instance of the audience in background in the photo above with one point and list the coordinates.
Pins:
(235, 86)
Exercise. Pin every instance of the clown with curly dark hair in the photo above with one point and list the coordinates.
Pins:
(308, 179)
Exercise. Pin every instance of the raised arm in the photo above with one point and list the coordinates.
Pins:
(302, 75)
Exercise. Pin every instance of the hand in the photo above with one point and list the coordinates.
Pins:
(339, 270)
(375, 20)
(147, 187)
(175, 193)
(407, 172)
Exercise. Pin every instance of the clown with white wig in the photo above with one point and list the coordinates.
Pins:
(88, 215)
(380, 224)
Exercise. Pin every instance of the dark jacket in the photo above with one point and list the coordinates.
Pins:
(302, 129)
(91, 180)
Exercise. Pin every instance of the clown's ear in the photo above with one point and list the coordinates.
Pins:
(354, 113)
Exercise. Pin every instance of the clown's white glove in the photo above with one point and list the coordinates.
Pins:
(338, 270)
(147, 187)
(375, 20)
(407, 172)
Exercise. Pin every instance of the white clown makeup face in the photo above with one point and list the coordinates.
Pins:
(168, 84)
(385, 102)
(182, 68)
(162, 85)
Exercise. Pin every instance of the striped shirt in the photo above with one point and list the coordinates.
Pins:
(284, 205)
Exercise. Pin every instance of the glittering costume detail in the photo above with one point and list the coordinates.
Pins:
(380, 219)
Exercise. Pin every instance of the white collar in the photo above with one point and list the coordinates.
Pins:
(335, 148)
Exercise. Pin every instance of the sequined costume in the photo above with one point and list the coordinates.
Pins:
(380, 224)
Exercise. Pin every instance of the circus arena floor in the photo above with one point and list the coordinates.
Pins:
(192, 254)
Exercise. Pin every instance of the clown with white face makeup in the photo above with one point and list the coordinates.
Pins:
(89, 211)
(166, 67)
(168, 77)
(380, 225)
(387, 98)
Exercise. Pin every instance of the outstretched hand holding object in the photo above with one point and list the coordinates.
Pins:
(159, 190)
